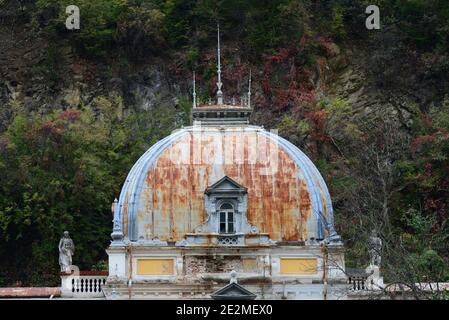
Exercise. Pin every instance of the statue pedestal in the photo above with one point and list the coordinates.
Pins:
(118, 262)
(374, 281)
(66, 285)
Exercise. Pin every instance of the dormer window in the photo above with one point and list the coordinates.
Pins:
(226, 218)
(226, 223)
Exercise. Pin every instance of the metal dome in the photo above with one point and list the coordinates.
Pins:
(292, 203)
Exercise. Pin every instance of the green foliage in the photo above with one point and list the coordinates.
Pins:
(192, 57)
(52, 67)
(337, 29)
(378, 178)
(425, 175)
(441, 295)
(296, 131)
(257, 26)
(98, 23)
(143, 28)
(62, 172)
(432, 266)
(425, 22)
(56, 180)
(100, 266)
(139, 30)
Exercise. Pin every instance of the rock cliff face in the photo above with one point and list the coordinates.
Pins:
(352, 82)
(29, 79)
(42, 76)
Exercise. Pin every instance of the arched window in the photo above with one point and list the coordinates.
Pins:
(227, 218)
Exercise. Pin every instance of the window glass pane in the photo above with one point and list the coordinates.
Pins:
(223, 216)
(230, 227)
(230, 217)
(222, 227)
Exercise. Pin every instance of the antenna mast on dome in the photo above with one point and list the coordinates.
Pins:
(194, 90)
(249, 89)
(219, 83)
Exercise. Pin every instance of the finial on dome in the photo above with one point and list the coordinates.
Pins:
(219, 83)
(194, 90)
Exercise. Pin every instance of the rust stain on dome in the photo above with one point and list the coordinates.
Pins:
(173, 192)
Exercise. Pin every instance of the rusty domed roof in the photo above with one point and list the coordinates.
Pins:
(163, 195)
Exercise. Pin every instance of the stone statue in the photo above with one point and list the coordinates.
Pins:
(66, 251)
(375, 249)
(333, 237)
(233, 277)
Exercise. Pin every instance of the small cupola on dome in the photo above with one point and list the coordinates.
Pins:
(221, 113)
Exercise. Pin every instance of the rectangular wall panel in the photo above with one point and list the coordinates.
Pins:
(298, 266)
(155, 267)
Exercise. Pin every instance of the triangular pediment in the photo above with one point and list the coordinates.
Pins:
(233, 291)
(226, 184)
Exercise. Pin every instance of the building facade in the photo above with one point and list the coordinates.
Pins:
(218, 196)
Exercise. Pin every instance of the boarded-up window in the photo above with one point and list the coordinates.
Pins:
(155, 266)
(298, 266)
(249, 265)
